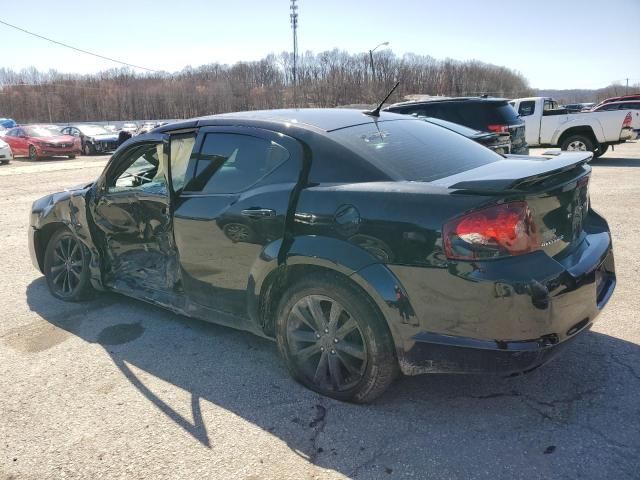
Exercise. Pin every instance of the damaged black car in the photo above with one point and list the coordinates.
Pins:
(367, 246)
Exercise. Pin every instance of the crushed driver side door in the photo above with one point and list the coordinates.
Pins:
(131, 210)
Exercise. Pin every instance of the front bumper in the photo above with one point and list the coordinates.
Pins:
(48, 151)
(507, 317)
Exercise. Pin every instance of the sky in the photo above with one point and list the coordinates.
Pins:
(554, 44)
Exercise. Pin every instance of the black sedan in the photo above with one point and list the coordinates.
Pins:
(366, 246)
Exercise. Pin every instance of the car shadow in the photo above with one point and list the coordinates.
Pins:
(572, 403)
(615, 162)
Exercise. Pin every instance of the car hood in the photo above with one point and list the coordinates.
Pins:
(49, 201)
(104, 137)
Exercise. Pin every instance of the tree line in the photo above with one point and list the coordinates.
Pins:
(327, 79)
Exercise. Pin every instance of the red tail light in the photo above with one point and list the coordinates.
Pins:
(493, 232)
(498, 128)
(627, 121)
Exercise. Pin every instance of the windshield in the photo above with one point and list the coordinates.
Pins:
(93, 130)
(42, 131)
(414, 149)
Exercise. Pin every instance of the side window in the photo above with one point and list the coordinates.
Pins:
(231, 163)
(549, 105)
(141, 171)
(181, 147)
(527, 108)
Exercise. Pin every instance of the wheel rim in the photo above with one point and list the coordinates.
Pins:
(237, 232)
(33, 155)
(66, 266)
(327, 343)
(577, 146)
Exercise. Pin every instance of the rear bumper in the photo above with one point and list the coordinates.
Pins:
(506, 317)
(441, 353)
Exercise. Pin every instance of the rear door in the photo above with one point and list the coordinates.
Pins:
(16, 138)
(232, 206)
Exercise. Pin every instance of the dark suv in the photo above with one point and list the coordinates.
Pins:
(489, 114)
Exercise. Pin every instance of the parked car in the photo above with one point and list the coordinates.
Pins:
(632, 105)
(130, 127)
(623, 98)
(480, 113)
(573, 107)
(7, 122)
(366, 245)
(550, 126)
(94, 138)
(37, 141)
(498, 142)
(6, 155)
(145, 128)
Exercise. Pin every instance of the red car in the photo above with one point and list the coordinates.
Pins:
(36, 141)
(623, 98)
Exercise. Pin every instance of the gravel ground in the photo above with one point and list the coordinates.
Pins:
(115, 388)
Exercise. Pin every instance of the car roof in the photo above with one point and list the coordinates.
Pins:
(621, 102)
(430, 100)
(319, 119)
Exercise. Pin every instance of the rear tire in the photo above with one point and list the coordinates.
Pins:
(66, 267)
(71, 157)
(602, 149)
(578, 143)
(334, 341)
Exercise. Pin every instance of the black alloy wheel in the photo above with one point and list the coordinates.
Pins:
(67, 267)
(327, 343)
(334, 341)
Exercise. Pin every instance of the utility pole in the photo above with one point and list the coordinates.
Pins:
(626, 90)
(294, 25)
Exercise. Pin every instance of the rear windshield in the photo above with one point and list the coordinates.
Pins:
(489, 113)
(414, 150)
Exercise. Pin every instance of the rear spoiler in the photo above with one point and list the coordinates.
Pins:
(515, 172)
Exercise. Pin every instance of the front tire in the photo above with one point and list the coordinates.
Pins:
(33, 153)
(334, 341)
(66, 267)
(89, 149)
(578, 143)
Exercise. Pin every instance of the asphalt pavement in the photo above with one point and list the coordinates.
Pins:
(115, 388)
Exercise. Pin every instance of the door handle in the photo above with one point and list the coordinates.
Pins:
(257, 212)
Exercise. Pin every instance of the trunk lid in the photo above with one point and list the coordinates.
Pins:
(555, 188)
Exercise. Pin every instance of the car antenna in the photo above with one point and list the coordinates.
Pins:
(376, 112)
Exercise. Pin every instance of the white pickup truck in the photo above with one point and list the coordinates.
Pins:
(546, 125)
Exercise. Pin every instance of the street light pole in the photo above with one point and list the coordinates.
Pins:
(373, 68)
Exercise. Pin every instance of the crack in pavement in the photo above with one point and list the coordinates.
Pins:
(317, 424)
(616, 359)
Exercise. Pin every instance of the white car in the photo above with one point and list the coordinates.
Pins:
(6, 155)
(546, 125)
